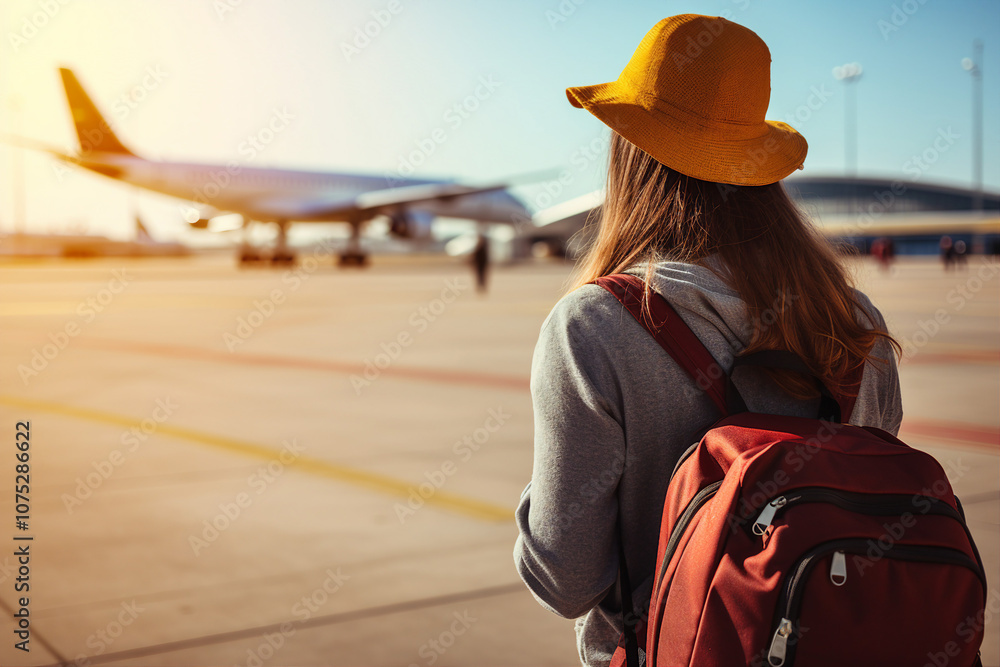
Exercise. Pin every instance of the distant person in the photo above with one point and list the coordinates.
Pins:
(890, 250)
(947, 252)
(481, 261)
(878, 250)
(961, 252)
(715, 234)
(883, 250)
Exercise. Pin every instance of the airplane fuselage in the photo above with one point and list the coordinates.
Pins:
(273, 195)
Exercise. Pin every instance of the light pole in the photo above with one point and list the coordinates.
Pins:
(849, 74)
(973, 66)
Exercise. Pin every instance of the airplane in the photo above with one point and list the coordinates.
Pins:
(281, 196)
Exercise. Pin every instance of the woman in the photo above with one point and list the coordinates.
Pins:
(694, 205)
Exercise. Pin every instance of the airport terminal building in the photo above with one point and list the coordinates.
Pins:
(851, 211)
(838, 196)
(915, 215)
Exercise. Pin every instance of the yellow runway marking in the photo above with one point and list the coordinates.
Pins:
(471, 507)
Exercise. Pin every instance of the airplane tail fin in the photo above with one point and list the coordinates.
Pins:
(92, 130)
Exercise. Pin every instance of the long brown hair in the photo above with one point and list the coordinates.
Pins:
(797, 293)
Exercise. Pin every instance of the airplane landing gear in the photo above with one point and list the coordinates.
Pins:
(354, 255)
(249, 255)
(248, 252)
(348, 259)
(282, 255)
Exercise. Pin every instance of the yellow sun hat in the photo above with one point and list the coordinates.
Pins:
(694, 96)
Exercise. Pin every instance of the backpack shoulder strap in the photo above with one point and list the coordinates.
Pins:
(669, 330)
(661, 320)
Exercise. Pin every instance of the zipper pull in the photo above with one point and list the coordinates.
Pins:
(779, 645)
(838, 569)
(763, 521)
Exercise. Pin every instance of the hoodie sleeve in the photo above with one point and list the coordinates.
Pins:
(883, 404)
(892, 400)
(566, 552)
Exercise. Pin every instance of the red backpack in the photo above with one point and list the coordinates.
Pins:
(791, 541)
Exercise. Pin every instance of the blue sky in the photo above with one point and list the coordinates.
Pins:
(225, 66)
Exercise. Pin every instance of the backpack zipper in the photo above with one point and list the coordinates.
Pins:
(877, 504)
(695, 504)
(873, 504)
(684, 457)
(780, 652)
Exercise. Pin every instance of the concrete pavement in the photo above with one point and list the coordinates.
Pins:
(318, 467)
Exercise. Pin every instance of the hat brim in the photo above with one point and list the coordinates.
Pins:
(758, 155)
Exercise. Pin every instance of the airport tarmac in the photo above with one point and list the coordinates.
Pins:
(319, 467)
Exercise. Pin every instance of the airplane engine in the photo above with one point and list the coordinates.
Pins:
(422, 223)
(399, 225)
(412, 225)
(194, 217)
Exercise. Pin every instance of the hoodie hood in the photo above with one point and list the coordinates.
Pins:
(709, 306)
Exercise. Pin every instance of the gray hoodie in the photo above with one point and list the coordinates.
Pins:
(613, 412)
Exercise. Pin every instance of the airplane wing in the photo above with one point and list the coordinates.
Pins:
(382, 200)
(32, 144)
(367, 204)
(571, 214)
